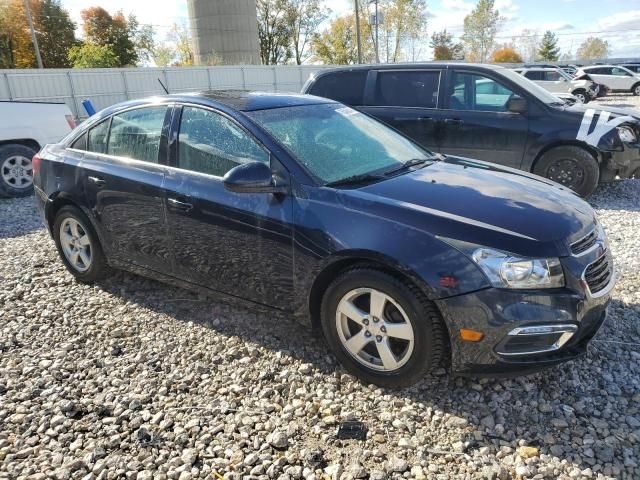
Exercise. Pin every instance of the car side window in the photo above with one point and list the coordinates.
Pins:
(98, 137)
(534, 75)
(620, 72)
(211, 143)
(407, 89)
(136, 133)
(80, 143)
(344, 87)
(477, 92)
(552, 77)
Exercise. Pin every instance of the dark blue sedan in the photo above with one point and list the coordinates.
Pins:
(407, 260)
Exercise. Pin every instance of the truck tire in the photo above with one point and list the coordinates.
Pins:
(571, 166)
(16, 174)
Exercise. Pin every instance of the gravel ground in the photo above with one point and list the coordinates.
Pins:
(135, 379)
(618, 100)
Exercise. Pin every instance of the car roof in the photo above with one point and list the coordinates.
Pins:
(409, 66)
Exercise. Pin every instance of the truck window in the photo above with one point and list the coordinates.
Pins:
(345, 87)
(407, 89)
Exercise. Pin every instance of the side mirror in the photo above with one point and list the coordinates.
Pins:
(517, 104)
(253, 177)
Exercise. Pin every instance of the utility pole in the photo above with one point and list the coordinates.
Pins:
(358, 31)
(377, 43)
(27, 10)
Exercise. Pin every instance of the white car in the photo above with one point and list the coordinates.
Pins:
(26, 127)
(618, 79)
(558, 81)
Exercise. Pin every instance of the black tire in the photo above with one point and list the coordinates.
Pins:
(571, 166)
(97, 268)
(430, 344)
(582, 96)
(15, 166)
(636, 89)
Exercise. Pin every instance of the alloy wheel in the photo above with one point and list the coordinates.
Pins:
(76, 244)
(17, 172)
(581, 97)
(374, 329)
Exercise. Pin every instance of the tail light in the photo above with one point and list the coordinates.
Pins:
(71, 121)
(35, 164)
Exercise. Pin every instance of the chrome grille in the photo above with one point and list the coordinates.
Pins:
(585, 243)
(598, 274)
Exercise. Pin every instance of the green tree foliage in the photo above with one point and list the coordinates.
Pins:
(338, 43)
(549, 49)
(480, 29)
(180, 38)
(306, 16)
(117, 32)
(54, 30)
(444, 48)
(593, 48)
(275, 31)
(91, 55)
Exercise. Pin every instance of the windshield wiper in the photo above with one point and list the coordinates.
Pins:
(355, 180)
(414, 162)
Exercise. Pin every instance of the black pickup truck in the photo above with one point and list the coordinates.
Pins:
(492, 113)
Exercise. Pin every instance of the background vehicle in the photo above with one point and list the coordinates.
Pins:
(264, 198)
(25, 127)
(634, 67)
(557, 81)
(618, 79)
(493, 114)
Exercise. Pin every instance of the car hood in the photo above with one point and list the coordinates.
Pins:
(482, 203)
(581, 109)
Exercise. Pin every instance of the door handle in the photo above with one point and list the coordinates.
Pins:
(178, 205)
(97, 181)
(453, 121)
(409, 119)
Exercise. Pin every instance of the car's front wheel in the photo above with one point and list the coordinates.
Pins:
(78, 245)
(570, 166)
(582, 96)
(636, 90)
(382, 329)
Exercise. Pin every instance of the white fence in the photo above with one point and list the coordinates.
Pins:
(105, 87)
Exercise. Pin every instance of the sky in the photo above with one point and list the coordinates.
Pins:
(617, 21)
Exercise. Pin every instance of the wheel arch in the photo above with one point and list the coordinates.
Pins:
(61, 199)
(25, 142)
(566, 143)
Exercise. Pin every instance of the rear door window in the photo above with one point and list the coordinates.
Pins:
(534, 75)
(552, 76)
(345, 87)
(408, 88)
(136, 133)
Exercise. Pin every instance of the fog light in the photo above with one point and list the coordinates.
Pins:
(471, 335)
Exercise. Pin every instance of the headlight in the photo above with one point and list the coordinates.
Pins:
(507, 271)
(627, 135)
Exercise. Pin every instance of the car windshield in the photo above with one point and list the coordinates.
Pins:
(532, 87)
(335, 142)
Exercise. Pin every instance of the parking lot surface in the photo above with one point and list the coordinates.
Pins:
(131, 378)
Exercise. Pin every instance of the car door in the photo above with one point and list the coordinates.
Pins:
(407, 100)
(477, 123)
(622, 78)
(236, 243)
(555, 82)
(122, 175)
(602, 75)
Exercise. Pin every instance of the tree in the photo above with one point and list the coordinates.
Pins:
(163, 55)
(145, 43)
(593, 48)
(444, 48)
(306, 16)
(54, 30)
(480, 29)
(549, 49)
(180, 36)
(275, 31)
(117, 32)
(527, 45)
(506, 55)
(338, 45)
(91, 55)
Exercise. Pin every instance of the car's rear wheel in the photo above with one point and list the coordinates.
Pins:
(571, 166)
(382, 329)
(16, 172)
(78, 245)
(636, 90)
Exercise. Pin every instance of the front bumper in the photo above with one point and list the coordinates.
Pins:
(526, 331)
(626, 163)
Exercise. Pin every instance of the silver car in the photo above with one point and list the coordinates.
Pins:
(557, 81)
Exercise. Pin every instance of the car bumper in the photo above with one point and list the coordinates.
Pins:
(502, 314)
(625, 164)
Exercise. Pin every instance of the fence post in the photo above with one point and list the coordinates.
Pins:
(126, 86)
(73, 95)
(6, 79)
(275, 81)
(244, 80)
(209, 77)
